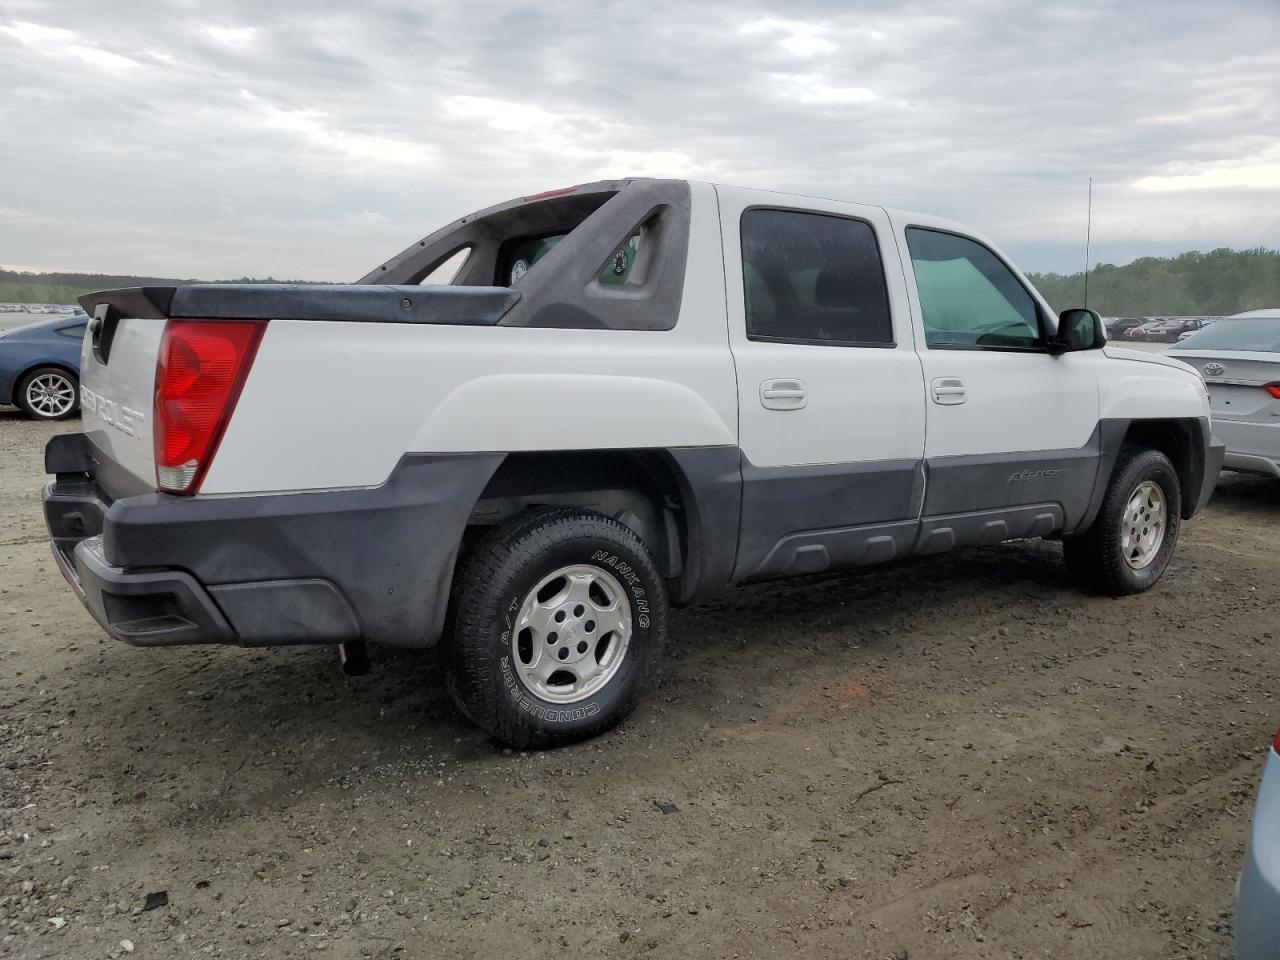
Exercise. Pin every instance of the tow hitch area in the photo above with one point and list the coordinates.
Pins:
(354, 657)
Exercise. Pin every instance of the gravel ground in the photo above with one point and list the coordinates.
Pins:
(961, 757)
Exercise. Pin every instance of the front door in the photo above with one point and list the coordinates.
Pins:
(1011, 432)
(831, 399)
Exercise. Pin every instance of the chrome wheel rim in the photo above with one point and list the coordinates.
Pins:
(50, 395)
(572, 633)
(1145, 518)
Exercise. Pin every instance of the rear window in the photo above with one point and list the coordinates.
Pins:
(522, 254)
(1261, 334)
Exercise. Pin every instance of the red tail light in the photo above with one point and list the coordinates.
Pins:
(1273, 389)
(199, 375)
(1275, 744)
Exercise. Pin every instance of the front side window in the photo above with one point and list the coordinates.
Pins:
(813, 278)
(968, 298)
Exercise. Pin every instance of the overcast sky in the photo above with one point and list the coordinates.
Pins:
(312, 140)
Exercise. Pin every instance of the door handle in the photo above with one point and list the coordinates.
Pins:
(784, 395)
(949, 391)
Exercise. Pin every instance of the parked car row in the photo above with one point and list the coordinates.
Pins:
(1155, 329)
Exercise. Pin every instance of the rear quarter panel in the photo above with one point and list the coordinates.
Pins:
(333, 405)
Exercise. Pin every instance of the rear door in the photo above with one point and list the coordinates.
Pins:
(1011, 447)
(831, 401)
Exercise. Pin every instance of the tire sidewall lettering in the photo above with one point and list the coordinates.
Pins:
(628, 576)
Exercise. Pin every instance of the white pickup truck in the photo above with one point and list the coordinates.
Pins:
(621, 396)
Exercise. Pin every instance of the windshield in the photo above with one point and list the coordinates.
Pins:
(1253, 333)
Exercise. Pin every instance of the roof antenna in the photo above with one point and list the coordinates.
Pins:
(1088, 232)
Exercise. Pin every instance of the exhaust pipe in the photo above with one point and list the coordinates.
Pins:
(354, 658)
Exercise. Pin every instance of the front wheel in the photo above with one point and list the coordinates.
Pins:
(48, 393)
(557, 617)
(1131, 541)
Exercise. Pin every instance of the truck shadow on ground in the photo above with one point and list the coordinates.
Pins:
(1242, 493)
(242, 730)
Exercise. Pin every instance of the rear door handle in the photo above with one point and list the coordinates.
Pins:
(949, 391)
(784, 395)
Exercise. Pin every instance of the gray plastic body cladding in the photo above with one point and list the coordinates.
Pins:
(808, 518)
(148, 608)
(485, 230)
(986, 527)
(1206, 456)
(562, 290)
(300, 567)
(353, 303)
(1000, 481)
(1110, 438)
(710, 481)
(1213, 454)
(287, 611)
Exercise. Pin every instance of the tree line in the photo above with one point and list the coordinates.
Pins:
(20, 286)
(1217, 283)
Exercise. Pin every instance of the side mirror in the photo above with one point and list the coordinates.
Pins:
(1078, 329)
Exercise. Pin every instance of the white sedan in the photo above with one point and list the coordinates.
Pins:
(1239, 359)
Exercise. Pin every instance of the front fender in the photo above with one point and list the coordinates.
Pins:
(1153, 393)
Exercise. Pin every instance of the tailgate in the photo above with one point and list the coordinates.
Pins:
(117, 385)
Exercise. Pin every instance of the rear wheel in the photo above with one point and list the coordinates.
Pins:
(557, 617)
(1131, 541)
(48, 393)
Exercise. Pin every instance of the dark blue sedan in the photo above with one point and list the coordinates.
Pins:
(40, 367)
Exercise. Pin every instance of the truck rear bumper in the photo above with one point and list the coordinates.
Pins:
(322, 567)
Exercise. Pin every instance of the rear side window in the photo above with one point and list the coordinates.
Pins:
(813, 278)
(969, 299)
(74, 333)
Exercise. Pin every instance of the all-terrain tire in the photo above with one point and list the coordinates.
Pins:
(1097, 557)
(487, 654)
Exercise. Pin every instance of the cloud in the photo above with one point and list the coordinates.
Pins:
(1259, 176)
(313, 140)
(57, 41)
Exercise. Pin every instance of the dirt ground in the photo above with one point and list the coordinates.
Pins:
(962, 757)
